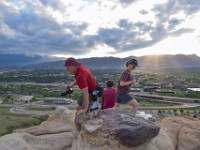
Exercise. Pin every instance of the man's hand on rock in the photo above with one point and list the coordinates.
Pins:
(81, 111)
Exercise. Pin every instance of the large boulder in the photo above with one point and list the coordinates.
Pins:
(113, 129)
(57, 133)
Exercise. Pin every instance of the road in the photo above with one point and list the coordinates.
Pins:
(184, 102)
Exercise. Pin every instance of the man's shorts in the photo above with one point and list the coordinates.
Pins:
(92, 104)
(124, 97)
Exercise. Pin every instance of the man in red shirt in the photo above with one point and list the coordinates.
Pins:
(109, 96)
(85, 81)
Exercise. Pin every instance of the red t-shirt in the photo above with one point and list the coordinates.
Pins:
(84, 78)
(109, 96)
(125, 77)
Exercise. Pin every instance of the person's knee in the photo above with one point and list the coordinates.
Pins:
(117, 105)
(133, 102)
(77, 107)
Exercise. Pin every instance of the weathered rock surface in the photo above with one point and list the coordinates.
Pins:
(61, 121)
(111, 128)
(25, 141)
(105, 130)
(178, 133)
(54, 134)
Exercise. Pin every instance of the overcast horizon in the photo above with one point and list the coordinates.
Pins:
(94, 28)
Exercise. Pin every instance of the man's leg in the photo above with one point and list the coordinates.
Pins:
(134, 105)
(77, 107)
(79, 104)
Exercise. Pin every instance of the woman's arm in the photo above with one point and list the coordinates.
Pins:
(122, 83)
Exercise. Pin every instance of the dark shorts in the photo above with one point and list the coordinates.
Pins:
(123, 97)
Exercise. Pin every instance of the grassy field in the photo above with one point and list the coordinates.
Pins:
(10, 121)
(194, 108)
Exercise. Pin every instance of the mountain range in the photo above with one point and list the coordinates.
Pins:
(145, 62)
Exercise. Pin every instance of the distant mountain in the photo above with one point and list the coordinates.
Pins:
(170, 61)
(13, 60)
(145, 62)
(92, 63)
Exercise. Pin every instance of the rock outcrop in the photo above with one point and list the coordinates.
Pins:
(178, 133)
(113, 129)
(54, 134)
(61, 121)
(25, 141)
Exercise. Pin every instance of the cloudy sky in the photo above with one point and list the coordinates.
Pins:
(88, 28)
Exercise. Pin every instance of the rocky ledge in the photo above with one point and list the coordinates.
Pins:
(112, 129)
(105, 128)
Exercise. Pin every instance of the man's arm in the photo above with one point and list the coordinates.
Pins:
(72, 84)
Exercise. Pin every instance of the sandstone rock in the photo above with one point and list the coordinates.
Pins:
(50, 127)
(61, 121)
(25, 141)
(111, 128)
(162, 141)
(57, 133)
(179, 133)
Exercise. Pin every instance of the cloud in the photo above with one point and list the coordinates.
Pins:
(40, 34)
(126, 40)
(126, 3)
(189, 7)
(31, 27)
(125, 24)
(181, 31)
(143, 12)
(57, 5)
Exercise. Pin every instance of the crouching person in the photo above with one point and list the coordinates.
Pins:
(86, 82)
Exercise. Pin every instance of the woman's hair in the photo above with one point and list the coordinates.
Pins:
(132, 62)
(109, 83)
(127, 63)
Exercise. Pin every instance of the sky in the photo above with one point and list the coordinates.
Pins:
(98, 28)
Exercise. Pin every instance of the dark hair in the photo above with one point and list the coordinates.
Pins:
(109, 83)
(132, 62)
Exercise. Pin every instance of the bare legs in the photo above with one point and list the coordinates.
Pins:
(77, 107)
(117, 104)
(133, 103)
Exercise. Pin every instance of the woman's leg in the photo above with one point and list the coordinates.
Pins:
(117, 104)
(134, 105)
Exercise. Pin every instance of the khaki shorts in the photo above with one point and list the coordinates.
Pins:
(80, 101)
